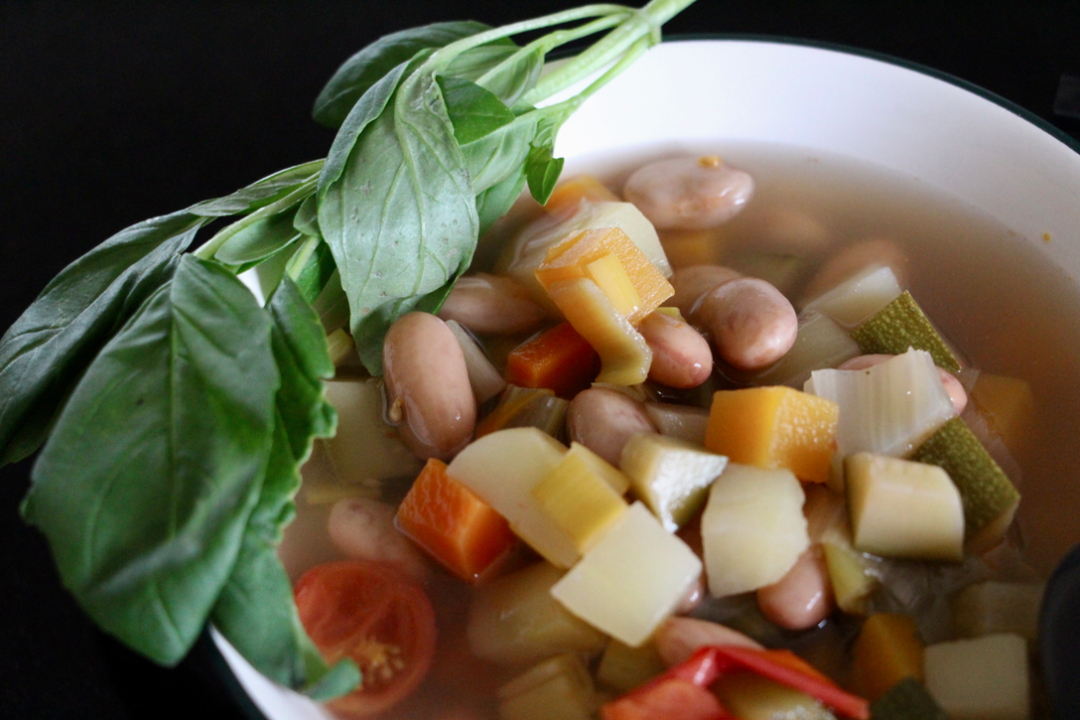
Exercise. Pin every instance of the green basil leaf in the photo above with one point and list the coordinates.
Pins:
(256, 611)
(500, 154)
(306, 220)
(43, 353)
(146, 483)
(542, 171)
(311, 267)
(495, 202)
(259, 240)
(511, 80)
(400, 218)
(259, 194)
(474, 111)
(476, 61)
(366, 68)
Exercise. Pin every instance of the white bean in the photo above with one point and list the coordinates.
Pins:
(952, 385)
(492, 304)
(681, 356)
(688, 193)
(751, 323)
(803, 597)
(693, 282)
(427, 385)
(363, 529)
(603, 420)
(679, 637)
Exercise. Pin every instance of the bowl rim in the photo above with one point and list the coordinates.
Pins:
(209, 640)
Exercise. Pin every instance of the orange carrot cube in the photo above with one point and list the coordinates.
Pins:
(559, 359)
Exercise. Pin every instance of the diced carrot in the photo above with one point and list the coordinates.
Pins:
(453, 524)
(558, 359)
(575, 256)
(568, 194)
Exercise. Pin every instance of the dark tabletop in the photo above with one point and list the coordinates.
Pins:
(113, 112)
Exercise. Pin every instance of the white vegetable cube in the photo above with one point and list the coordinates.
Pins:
(859, 297)
(981, 679)
(503, 468)
(753, 528)
(632, 579)
(671, 476)
(903, 509)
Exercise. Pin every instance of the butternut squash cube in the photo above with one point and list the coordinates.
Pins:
(1009, 406)
(886, 651)
(774, 427)
(577, 257)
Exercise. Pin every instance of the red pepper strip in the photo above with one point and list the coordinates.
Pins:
(666, 698)
(707, 664)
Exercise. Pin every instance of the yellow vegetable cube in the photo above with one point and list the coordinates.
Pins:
(774, 427)
(578, 498)
(1009, 407)
(886, 651)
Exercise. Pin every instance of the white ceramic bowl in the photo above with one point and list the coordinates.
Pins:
(980, 149)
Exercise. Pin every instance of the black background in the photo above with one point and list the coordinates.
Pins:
(112, 112)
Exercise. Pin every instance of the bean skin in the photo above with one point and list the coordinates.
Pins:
(681, 356)
(428, 386)
(363, 529)
(952, 386)
(603, 420)
(687, 193)
(751, 323)
(491, 304)
(678, 637)
(803, 597)
(693, 282)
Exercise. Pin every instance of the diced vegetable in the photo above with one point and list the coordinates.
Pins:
(625, 356)
(749, 696)
(907, 700)
(340, 345)
(623, 668)
(774, 427)
(578, 496)
(820, 343)
(670, 476)
(635, 290)
(526, 407)
(859, 297)
(559, 688)
(559, 359)
(670, 698)
(886, 651)
(886, 409)
(503, 468)
(455, 526)
(685, 422)
(853, 575)
(903, 509)
(485, 380)
(981, 679)
(989, 498)
(632, 579)
(567, 196)
(1008, 405)
(996, 607)
(692, 247)
(901, 325)
(515, 620)
(752, 529)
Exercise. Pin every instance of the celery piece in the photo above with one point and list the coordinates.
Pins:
(526, 407)
(907, 700)
(994, 607)
(901, 325)
(559, 688)
(858, 297)
(903, 509)
(820, 343)
(685, 422)
(515, 620)
(669, 475)
(631, 580)
(623, 668)
(578, 498)
(750, 696)
(486, 381)
(989, 498)
(981, 679)
(753, 529)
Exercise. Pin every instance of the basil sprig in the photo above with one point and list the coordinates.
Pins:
(173, 409)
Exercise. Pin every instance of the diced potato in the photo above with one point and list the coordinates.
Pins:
(622, 668)
(753, 529)
(670, 476)
(515, 620)
(559, 688)
(886, 651)
(503, 468)
(996, 607)
(1008, 405)
(625, 356)
(596, 254)
(981, 679)
(903, 509)
(578, 496)
(774, 427)
(631, 580)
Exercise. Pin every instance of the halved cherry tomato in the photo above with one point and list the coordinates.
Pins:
(379, 617)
